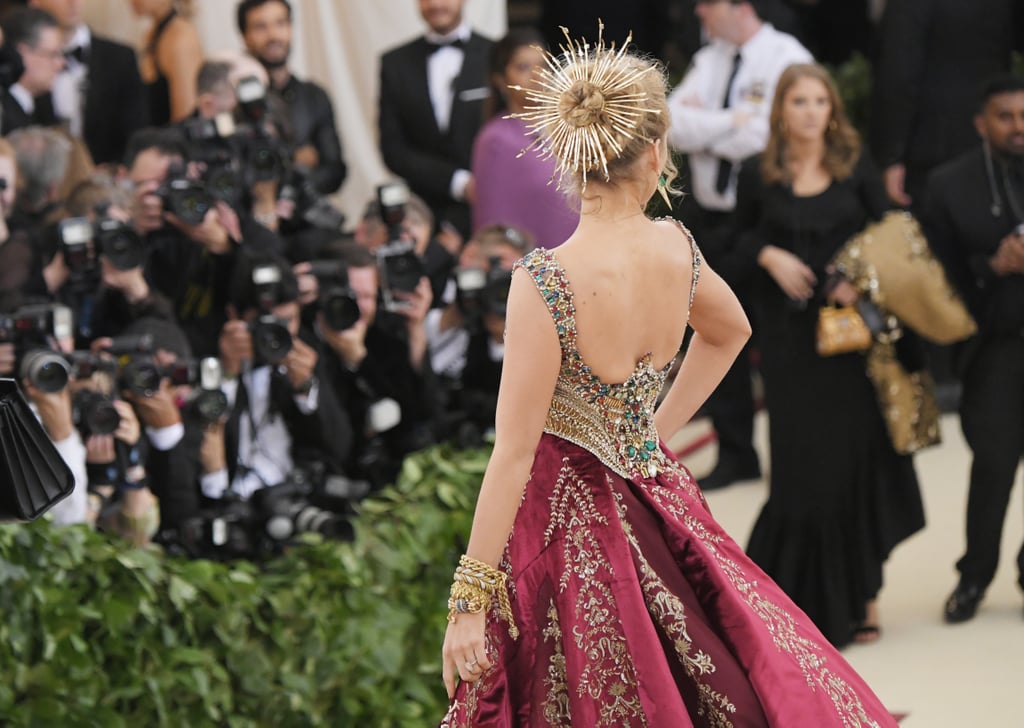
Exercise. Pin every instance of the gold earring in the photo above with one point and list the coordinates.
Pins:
(833, 125)
(663, 190)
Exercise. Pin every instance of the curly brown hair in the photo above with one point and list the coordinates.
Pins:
(842, 142)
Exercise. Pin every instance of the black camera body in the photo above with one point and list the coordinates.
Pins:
(480, 292)
(308, 501)
(185, 198)
(31, 329)
(75, 242)
(311, 207)
(94, 413)
(337, 301)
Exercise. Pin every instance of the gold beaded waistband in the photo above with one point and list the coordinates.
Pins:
(626, 443)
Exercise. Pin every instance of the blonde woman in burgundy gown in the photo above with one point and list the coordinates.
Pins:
(597, 589)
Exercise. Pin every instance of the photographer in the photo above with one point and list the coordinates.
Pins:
(467, 336)
(409, 217)
(377, 368)
(283, 409)
(192, 239)
(32, 341)
(120, 498)
(266, 29)
(21, 271)
(97, 209)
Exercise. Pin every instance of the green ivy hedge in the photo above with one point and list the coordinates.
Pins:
(96, 633)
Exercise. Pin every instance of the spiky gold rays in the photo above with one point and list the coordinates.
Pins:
(587, 108)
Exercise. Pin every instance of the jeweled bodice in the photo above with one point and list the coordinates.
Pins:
(615, 422)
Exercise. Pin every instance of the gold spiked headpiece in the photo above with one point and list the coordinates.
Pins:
(585, 142)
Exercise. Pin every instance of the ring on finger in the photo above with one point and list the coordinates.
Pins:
(471, 665)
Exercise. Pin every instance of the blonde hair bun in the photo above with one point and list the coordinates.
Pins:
(594, 109)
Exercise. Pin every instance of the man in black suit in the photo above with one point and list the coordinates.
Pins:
(266, 28)
(924, 96)
(432, 91)
(36, 37)
(974, 220)
(99, 94)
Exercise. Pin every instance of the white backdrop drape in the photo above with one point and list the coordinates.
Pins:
(337, 43)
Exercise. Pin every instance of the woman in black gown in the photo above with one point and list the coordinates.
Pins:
(840, 497)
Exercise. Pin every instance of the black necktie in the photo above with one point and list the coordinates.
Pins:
(724, 165)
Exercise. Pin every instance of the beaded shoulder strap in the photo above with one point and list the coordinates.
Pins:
(698, 258)
(550, 280)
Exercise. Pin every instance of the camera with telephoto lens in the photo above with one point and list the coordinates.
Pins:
(399, 267)
(265, 157)
(33, 330)
(94, 413)
(271, 339)
(185, 198)
(337, 301)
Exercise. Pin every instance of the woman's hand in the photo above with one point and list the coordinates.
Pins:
(465, 650)
(793, 276)
(843, 293)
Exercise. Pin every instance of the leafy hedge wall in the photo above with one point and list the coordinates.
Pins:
(96, 633)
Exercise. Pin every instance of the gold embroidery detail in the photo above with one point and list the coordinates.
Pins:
(556, 705)
(779, 623)
(608, 678)
(669, 612)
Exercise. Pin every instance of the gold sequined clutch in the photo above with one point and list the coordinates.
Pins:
(841, 330)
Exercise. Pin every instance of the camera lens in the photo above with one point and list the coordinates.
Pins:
(271, 340)
(95, 414)
(47, 371)
(340, 308)
(211, 405)
(141, 378)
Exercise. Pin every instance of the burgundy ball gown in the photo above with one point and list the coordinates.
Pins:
(635, 608)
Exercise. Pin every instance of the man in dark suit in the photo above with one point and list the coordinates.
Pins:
(432, 91)
(974, 220)
(36, 37)
(266, 28)
(924, 97)
(99, 94)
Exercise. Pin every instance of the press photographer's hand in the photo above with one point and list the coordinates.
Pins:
(349, 345)
(299, 364)
(211, 233)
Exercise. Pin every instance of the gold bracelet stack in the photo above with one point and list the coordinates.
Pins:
(475, 584)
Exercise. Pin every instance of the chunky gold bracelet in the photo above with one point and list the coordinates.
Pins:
(474, 585)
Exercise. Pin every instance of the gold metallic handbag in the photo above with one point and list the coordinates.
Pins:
(841, 330)
(906, 399)
(891, 261)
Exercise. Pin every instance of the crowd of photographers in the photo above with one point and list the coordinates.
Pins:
(220, 365)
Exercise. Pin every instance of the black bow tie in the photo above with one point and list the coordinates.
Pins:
(78, 53)
(438, 45)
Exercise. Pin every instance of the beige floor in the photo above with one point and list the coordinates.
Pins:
(962, 676)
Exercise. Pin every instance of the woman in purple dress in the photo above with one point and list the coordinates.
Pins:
(509, 190)
(596, 589)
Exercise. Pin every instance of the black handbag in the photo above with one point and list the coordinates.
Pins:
(33, 475)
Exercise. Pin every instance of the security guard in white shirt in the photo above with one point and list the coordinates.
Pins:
(719, 118)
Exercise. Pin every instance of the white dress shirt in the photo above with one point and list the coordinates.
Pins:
(705, 130)
(69, 85)
(267, 459)
(24, 98)
(444, 66)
